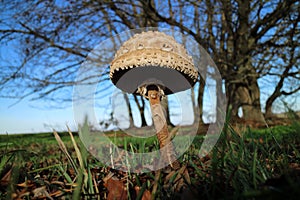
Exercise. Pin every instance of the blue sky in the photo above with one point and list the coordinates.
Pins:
(27, 117)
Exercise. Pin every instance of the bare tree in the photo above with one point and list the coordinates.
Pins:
(288, 52)
(248, 40)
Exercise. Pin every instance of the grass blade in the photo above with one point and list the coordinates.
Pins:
(65, 151)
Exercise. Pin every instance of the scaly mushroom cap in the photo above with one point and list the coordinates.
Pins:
(153, 58)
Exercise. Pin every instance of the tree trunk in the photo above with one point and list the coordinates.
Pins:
(129, 109)
(194, 105)
(233, 103)
(200, 99)
(246, 95)
(221, 102)
(243, 89)
(141, 108)
(250, 102)
(278, 89)
(269, 113)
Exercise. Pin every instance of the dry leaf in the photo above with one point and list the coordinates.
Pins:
(116, 189)
(41, 192)
(107, 177)
(182, 178)
(5, 179)
(58, 183)
(146, 194)
(22, 194)
(26, 184)
(57, 193)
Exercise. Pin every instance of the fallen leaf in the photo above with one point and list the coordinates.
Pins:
(295, 166)
(57, 193)
(146, 193)
(5, 179)
(107, 177)
(116, 189)
(179, 180)
(41, 192)
(26, 184)
(58, 183)
(22, 195)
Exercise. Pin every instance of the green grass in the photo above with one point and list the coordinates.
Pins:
(255, 164)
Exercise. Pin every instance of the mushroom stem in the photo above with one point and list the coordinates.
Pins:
(164, 138)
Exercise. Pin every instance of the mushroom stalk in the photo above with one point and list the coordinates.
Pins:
(164, 138)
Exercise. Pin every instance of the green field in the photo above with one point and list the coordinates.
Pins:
(250, 164)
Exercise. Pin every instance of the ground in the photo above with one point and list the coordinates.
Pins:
(246, 163)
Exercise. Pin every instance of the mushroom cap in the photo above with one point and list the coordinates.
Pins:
(153, 58)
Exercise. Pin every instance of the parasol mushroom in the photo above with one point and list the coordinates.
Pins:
(153, 64)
